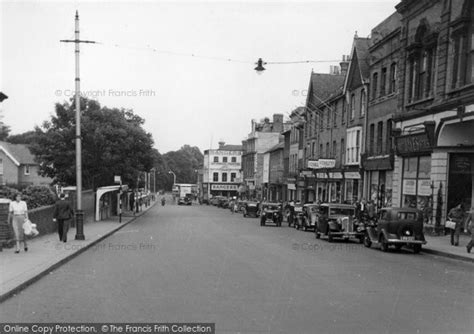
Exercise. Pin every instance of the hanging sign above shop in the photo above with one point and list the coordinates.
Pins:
(414, 143)
(321, 163)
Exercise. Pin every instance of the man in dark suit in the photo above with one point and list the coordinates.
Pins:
(62, 213)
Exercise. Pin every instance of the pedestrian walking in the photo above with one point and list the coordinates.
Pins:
(457, 215)
(62, 213)
(18, 214)
(469, 228)
(131, 201)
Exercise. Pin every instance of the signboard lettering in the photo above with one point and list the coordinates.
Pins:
(413, 143)
(224, 187)
(409, 187)
(321, 163)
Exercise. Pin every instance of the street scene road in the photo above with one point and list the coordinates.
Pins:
(204, 264)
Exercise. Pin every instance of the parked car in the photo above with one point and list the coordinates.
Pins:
(251, 209)
(307, 221)
(396, 227)
(184, 201)
(271, 213)
(335, 220)
(241, 205)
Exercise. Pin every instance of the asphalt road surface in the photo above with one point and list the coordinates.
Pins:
(204, 264)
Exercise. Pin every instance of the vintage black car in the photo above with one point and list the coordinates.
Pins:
(298, 215)
(396, 227)
(337, 221)
(251, 209)
(271, 213)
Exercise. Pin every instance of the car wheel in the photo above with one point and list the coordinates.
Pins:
(318, 235)
(398, 247)
(330, 238)
(367, 241)
(383, 244)
(416, 248)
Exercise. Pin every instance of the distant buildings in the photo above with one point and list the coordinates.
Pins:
(221, 173)
(395, 125)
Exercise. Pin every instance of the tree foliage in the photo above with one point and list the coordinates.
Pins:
(113, 143)
(27, 137)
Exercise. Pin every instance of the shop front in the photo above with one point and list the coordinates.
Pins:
(291, 189)
(352, 186)
(225, 189)
(378, 179)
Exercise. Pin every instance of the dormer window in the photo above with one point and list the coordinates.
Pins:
(27, 169)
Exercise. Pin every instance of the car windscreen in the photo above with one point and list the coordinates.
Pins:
(341, 211)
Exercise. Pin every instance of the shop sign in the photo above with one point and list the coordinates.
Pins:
(335, 175)
(321, 163)
(306, 173)
(424, 188)
(290, 180)
(291, 186)
(301, 184)
(321, 175)
(232, 187)
(414, 143)
(409, 187)
(352, 175)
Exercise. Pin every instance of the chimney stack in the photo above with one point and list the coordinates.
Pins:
(221, 144)
(344, 64)
(277, 123)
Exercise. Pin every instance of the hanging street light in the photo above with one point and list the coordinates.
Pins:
(260, 67)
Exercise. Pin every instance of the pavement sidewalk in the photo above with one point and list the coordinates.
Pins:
(441, 245)
(46, 253)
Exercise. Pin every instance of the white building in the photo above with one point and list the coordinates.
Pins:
(221, 173)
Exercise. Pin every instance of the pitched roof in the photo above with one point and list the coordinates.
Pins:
(323, 85)
(19, 152)
(361, 46)
(231, 148)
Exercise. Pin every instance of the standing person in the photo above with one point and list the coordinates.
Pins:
(469, 227)
(456, 214)
(371, 209)
(61, 214)
(18, 214)
(131, 201)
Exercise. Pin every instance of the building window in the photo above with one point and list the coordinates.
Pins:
(463, 50)
(232, 177)
(27, 169)
(393, 78)
(343, 152)
(343, 114)
(313, 149)
(363, 103)
(375, 79)
(416, 185)
(216, 159)
(379, 137)
(329, 118)
(353, 106)
(224, 177)
(224, 159)
(321, 153)
(234, 159)
(371, 139)
(215, 177)
(334, 149)
(383, 81)
(327, 150)
(389, 137)
(353, 146)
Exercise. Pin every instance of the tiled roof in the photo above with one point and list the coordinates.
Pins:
(325, 85)
(19, 152)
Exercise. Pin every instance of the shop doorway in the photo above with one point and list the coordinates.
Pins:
(460, 180)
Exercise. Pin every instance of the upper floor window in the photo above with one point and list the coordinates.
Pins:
(216, 159)
(224, 159)
(224, 177)
(27, 169)
(334, 149)
(321, 153)
(383, 81)
(462, 47)
(343, 151)
(363, 102)
(379, 138)
(215, 177)
(388, 140)
(371, 139)
(353, 107)
(327, 150)
(234, 159)
(393, 78)
(374, 83)
(232, 177)
(343, 113)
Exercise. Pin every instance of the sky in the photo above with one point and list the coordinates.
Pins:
(144, 60)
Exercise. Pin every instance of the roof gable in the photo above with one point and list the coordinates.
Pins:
(358, 70)
(19, 153)
(321, 87)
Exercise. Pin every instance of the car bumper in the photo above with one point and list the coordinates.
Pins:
(406, 242)
(347, 234)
